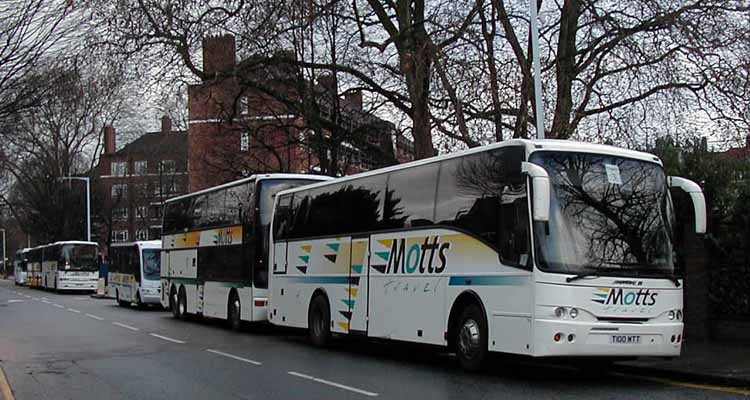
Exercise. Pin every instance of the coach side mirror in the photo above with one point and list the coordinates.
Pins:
(540, 190)
(696, 195)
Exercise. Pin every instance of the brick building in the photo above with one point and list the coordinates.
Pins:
(252, 116)
(130, 184)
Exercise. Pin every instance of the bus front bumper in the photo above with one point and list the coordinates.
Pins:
(586, 338)
(76, 285)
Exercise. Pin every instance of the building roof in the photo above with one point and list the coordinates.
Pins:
(157, 142)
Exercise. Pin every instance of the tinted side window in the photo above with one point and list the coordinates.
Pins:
(175, 216)
(410, 199)
(237, 202)
(485, 194)
(197, 208)
(324, 217)
(362, 204)
(300, 209)
(282, 217)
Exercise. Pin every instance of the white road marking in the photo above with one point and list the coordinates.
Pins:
(94, 317)
(132, 328)
(58, 306)
(74, 310)
(169, 339)
(334, 384)
(27, 296)
(81, 298)
(46, 302)
(15, 301)
(234, 357)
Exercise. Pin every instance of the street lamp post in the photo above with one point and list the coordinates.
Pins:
(88, 201)
(537, 70)
(5, 260)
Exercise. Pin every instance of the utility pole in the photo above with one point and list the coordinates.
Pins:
(537, 70)
(5, 259)
(88, 201)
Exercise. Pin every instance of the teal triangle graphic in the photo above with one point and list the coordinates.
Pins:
(383, 254)
(602, 295)
(333, 246)
(349, 303)
(306, 259)
(357, 269)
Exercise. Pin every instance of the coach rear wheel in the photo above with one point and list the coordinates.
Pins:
(233, 314)
(117, 298)
(182, 304)
(138, 302)
(471, 338)
(173, 300)
(319, 320)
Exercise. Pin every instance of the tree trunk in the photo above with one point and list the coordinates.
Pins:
(566, 68)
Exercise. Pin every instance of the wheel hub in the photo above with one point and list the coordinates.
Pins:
(469, 338)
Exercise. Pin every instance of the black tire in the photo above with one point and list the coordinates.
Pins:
(471, 338)
(319, 321)
(234, 308)
(121, 303)
(138, 302)
(182, 304)
(173, 303)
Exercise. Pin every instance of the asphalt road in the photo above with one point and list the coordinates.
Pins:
(71, 346)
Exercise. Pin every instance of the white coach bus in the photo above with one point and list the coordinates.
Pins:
(135, 272)
(215, 248)
(69, 265)
(541, 248)
(20, 267)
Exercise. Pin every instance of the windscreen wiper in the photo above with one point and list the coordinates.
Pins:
(580, 276)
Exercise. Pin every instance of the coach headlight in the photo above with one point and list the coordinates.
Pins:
(679, 315)
(560, 312)
(573, 312)
(671, 315)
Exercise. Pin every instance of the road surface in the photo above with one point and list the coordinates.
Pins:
(71, 346)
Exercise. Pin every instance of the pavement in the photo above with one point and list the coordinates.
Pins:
(70, 346)
(701, 362)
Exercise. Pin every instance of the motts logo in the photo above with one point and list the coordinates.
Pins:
(620, 297)
(426, 257)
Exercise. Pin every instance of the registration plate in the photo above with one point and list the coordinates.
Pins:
(625, 339)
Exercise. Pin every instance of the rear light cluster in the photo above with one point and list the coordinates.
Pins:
(559, 337)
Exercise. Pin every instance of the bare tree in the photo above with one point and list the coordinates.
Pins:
(55, 139)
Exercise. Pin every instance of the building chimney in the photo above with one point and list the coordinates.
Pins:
(109, 140)
(166, 124)
(219, 54)
(354, 99)
(327, 82)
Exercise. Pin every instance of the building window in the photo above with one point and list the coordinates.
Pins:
(155, 211)
(167, 166)
(120, 213)
(119, 236)
(119, 168)
(119, 191)
(244, 106)
(245, 141)
(141, 234)
(141, 212)
(141, 167)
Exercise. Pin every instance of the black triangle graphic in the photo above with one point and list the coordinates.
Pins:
(379, 268)
(302, 269)
(331, 257)
(347, 314)
(354, 280)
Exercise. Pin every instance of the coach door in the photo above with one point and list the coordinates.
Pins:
(358, 284)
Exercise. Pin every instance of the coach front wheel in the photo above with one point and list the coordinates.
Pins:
(471, 338)
(319, 321)
(173, 300)
(233, 313)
